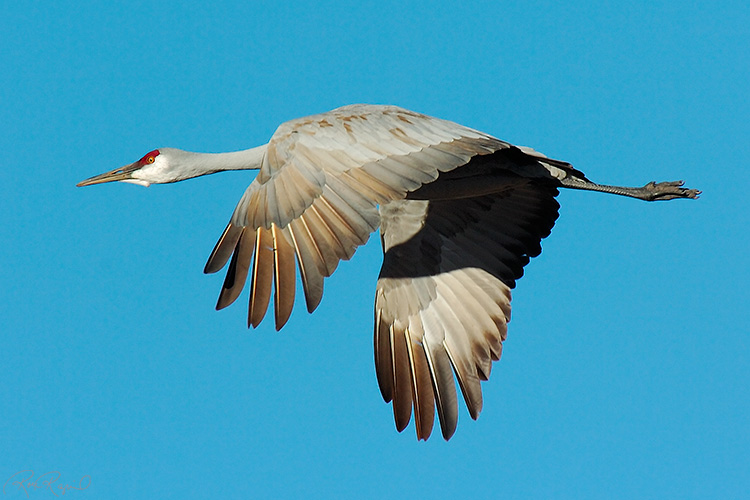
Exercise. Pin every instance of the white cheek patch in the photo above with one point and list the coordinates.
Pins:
(140, 182)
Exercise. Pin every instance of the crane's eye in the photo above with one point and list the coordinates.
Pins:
(149, 157)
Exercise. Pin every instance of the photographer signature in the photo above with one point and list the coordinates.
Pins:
(24, 480)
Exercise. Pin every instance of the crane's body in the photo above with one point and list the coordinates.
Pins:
(460, 213)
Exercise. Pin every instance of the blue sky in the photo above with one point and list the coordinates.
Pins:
(625, 373)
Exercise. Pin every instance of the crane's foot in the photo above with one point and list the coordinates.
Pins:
(668, 191)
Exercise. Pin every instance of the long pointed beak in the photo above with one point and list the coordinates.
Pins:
(118, 174)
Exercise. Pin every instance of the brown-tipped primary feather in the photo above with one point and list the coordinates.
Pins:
(284, 276)
(223, 249)
(457, 346)
(446, 399)
(464, 331)
(422, 392)
(468, 380)
(383, 363)
(237, 272)
(260, 288)
(401, 378)
(310, 264)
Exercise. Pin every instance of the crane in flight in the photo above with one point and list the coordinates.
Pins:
(460, 214)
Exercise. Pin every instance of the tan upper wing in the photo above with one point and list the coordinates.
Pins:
(443, 295)
(316, 196)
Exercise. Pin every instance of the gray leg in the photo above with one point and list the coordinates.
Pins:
(650, 192)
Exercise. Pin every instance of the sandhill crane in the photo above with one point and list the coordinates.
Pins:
(460, 214)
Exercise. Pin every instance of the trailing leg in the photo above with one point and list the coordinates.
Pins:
(650, 192)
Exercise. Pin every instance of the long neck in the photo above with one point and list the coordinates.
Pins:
(196, 164)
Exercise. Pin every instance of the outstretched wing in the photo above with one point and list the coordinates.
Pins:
(316, 196)
(443, 295)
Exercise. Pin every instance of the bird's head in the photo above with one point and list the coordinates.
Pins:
(153, 168)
